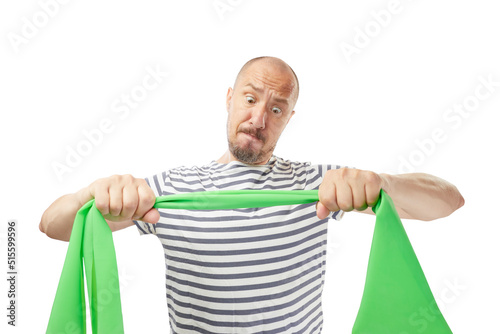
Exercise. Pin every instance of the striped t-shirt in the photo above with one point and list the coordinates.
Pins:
(245, 270)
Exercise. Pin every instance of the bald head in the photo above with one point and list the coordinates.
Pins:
(259, 107)
(272, 63)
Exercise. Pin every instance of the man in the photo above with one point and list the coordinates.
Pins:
(250, 270)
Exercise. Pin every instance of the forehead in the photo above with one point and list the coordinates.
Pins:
(268, 76)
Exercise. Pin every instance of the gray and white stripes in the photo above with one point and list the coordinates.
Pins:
(245, 270)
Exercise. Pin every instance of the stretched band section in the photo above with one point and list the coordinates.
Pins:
(235, 199)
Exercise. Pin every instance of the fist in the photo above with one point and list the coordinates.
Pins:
(348, 189)
(123, 198)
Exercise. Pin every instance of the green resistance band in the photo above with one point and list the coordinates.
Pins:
(397, 298)
(395, 288)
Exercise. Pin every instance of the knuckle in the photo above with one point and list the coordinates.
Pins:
(129, 205)
(115, 206)
(142, 182)
(344, 172)
(345, 205)
(372, 178)
(360, 205)
(98, 184)
(115, 209)
(334, 173)
(127, 178)
(149, 200)
(146, 194)
(371, 202)
(330, 203)
(101, 205)
(372, 197)
(117, 178)
(322, 189)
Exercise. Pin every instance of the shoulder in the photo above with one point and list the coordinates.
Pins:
(180, 179)
(310, 167)
(285, 163)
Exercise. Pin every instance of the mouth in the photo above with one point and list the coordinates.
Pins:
(252, 136)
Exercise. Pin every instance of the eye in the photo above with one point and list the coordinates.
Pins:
(250, 99)
(276, 110)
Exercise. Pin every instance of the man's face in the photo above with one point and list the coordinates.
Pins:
(259, 107)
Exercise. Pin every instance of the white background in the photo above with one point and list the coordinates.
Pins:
(368, 112)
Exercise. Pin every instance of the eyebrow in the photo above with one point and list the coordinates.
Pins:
(260, 90)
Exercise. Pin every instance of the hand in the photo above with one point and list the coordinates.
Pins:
(348, 189)
(122, 198)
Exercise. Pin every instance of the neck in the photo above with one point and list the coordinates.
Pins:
(227, 157)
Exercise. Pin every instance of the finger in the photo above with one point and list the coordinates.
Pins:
(115, 199)
(327, 196)
(322, 211)
(152, 216)
(358, 195)
(146, 200)
(344, 196)
(130, 201)
(100, 192)
(372, 193)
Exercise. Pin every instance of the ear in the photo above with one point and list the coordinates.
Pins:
(229, 97)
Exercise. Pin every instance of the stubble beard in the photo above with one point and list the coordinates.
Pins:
(246, 154)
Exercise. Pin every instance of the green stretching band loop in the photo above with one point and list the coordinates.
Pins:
(395, 288)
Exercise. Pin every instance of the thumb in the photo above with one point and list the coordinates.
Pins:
(321, 211)
(152, 216)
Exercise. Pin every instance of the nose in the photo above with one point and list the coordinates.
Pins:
(258, 119)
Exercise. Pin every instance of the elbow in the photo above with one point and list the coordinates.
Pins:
(451, 201)
(41, 227)
(455, 202)
(52, 233)
(459, 200)
(43, 223)
(44, 226)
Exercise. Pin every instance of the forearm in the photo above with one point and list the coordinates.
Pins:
(57, 220)
(422, 196)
